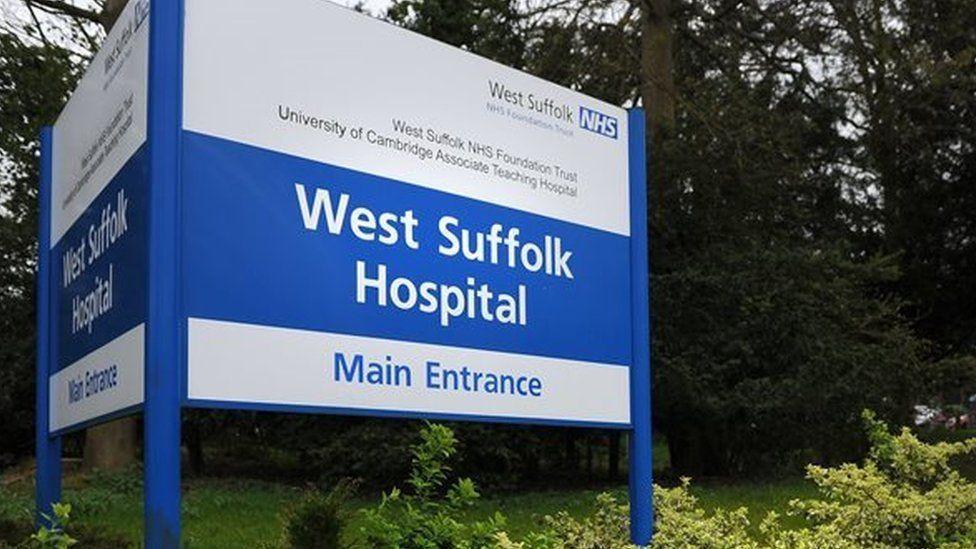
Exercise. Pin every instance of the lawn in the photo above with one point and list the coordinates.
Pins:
(223, 513)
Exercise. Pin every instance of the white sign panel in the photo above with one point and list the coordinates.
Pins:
(104, 381)
(316, 80)
(104, 122)
(423, 378)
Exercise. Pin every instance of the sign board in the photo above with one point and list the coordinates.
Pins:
(290, 206)
(376, 221)
(98, 231)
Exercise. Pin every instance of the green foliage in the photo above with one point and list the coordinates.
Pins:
(53, 535)
(34, 83)
(484, 26)
(15, 522)
(429, 516)
(952, 380)
(767, 354)
(127, 481)
(906, 495)
(318, 520)
(607, 528)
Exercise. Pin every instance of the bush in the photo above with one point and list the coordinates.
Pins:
(429, 515)
(54, 536)
(905, 495)
(17, 529)
(318, 520)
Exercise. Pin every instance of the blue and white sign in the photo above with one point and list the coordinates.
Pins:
(374, 222)
(291, 206)
(98, 215)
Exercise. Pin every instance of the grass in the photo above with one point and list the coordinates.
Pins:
(223, 513)
(247, 513)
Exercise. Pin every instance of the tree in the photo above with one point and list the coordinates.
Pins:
(35, 80)
(912, 73)
(105, 14)
(475, 25)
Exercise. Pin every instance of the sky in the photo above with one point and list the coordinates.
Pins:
(14, 15)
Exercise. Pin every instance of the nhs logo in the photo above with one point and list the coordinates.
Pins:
(598, 122)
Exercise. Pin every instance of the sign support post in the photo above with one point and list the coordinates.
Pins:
(163, 341)
(48, 451)
(640, 470)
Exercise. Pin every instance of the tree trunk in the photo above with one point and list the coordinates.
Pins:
(698, 449)
(111, 446)
(194, 447)
(110, 12)
(657, 94)
(571, 463)
(613, 470)
(589, 457)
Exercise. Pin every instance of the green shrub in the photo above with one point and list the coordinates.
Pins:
(318, 520)
(15, 522)
(429, 515)
(54, 536)
(906, 495)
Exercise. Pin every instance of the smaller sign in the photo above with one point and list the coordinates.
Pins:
(108, 380)
(99, 238)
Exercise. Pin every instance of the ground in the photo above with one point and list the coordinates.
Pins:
(246, 513)
(225, 513)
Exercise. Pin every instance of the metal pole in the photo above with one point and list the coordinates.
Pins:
(48, 450)
(641, 472)
(162, 403)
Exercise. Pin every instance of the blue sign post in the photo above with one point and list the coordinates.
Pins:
(370, 243)
(48, 448)
(163, 342)
(641, 440)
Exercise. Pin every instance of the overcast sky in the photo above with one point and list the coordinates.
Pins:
(14, 15)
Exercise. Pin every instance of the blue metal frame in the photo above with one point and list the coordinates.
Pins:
(641, 471)
(394, 414)
(163, 340)
(48, 450)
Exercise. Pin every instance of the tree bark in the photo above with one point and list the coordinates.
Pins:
(589, 457)
(106, 17)
(698, 449)
(571, 463)
(657, 95)
(110, 13)
(614, 466)
(194, 447)
(111, 446)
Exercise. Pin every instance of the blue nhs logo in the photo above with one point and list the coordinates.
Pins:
(598, 122)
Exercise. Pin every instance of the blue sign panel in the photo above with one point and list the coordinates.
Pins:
(100, 267)
(272, 239)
